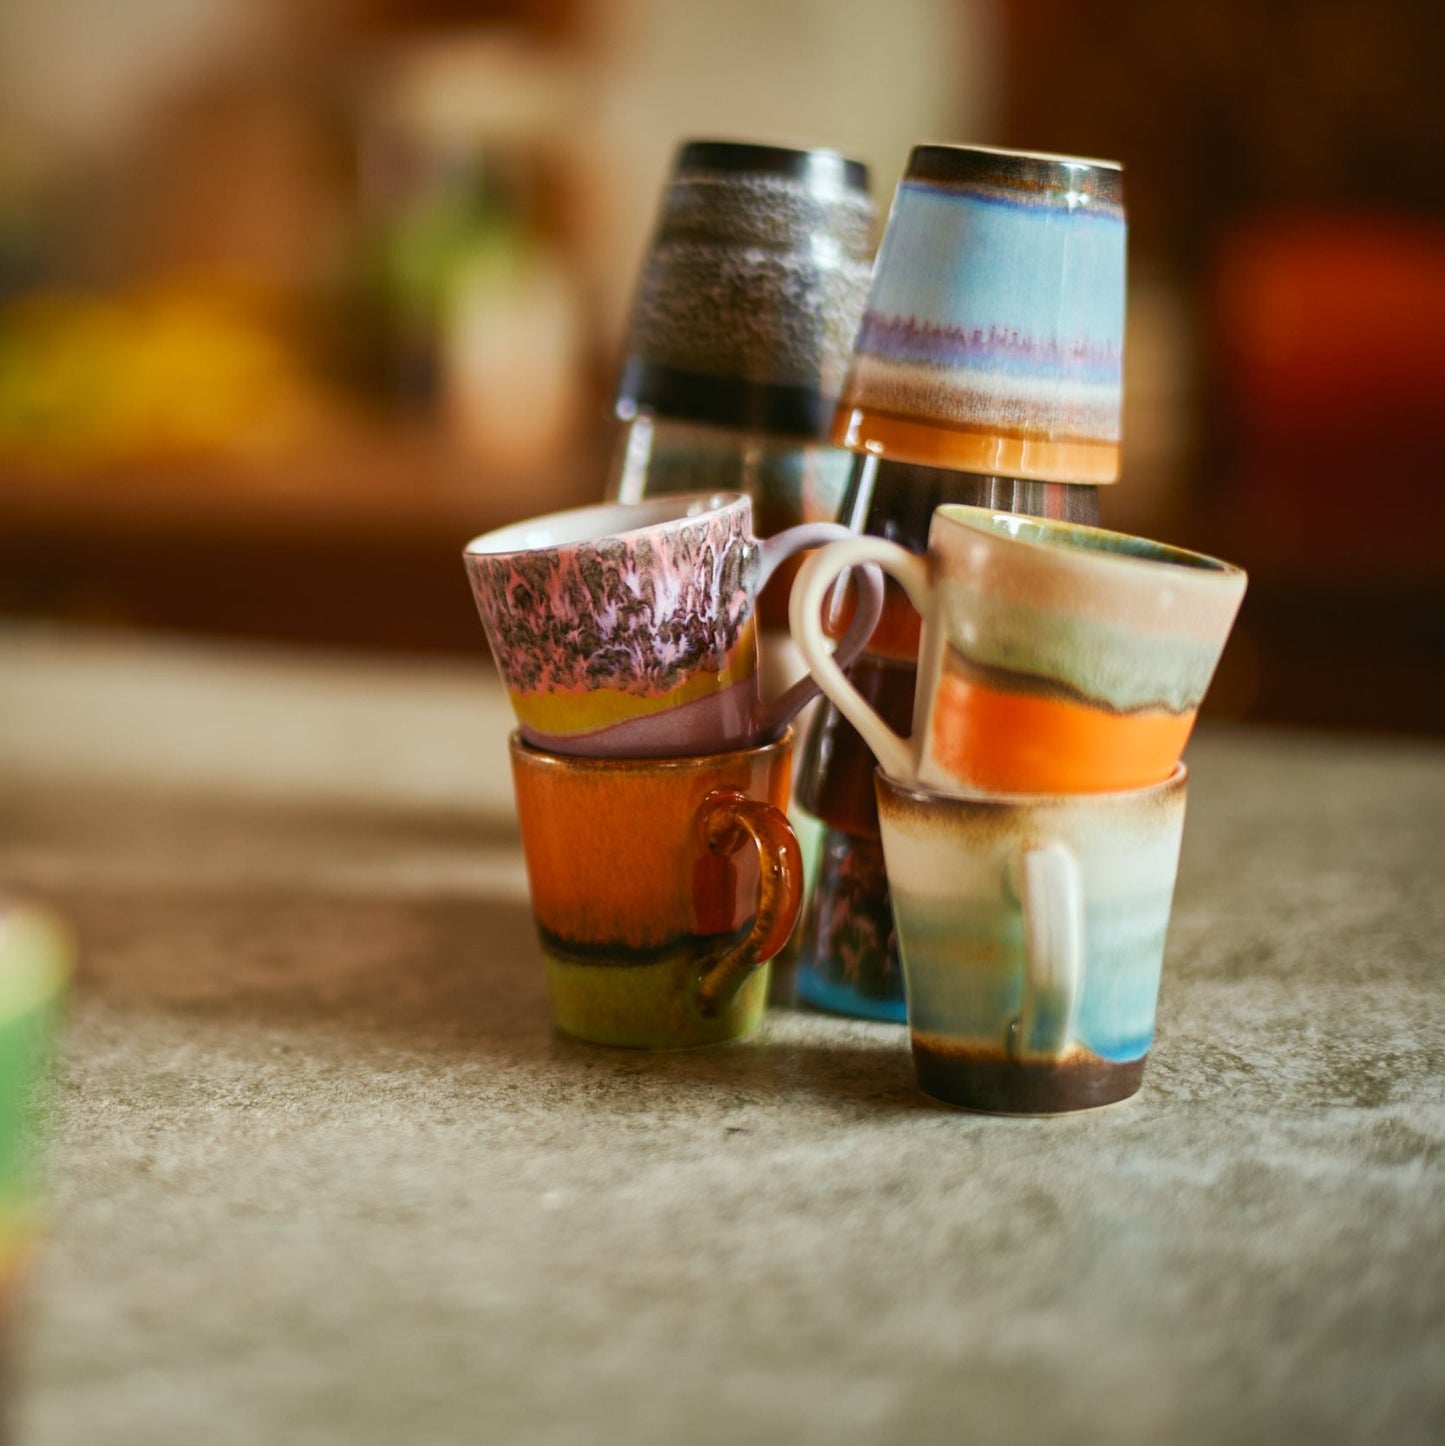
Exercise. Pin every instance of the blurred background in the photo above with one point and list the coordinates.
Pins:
(298, 295)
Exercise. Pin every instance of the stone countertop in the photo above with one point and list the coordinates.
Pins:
(322, 1173)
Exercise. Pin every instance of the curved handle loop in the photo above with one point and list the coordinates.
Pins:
(726, 821)
(897, 756)
(1050, 890)
(776, 715)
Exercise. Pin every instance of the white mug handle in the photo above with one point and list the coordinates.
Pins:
(775, 716)
(1050, 890)
(897, 756)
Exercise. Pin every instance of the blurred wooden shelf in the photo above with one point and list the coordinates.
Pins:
(356, 547)
(395, 484)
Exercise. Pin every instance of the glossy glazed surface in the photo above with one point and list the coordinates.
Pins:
(1052, 657)
(847, 955)
(1062, 658)
(636, 903)
(953, 868)
(751, 290)
(992, 340)
(630, 631)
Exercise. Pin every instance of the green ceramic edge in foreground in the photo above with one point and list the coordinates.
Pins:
(647, 1006)
(35, 967)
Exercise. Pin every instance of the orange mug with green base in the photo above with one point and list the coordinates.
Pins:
(661, 888)
(1054, 658)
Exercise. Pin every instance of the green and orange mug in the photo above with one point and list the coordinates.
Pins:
(661, 888)
(1054, 658)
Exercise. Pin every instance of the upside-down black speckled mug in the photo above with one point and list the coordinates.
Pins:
(630, 631)
(750, 293)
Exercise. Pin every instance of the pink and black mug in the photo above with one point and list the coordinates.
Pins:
(631, 630)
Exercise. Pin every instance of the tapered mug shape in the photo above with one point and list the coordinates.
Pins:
(631, 630)
(1031, 931)
(661, 888)
(992, 341)
(1053, 657)
(751, 290)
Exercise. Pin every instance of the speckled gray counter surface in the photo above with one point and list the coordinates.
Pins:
(322, 1173)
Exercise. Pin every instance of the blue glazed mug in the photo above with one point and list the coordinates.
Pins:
(993, 337)
(1031, 931)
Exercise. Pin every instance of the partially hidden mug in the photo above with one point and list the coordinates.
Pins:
(1054, 657)
(631, 630)
(1032, 937)
(661, 888)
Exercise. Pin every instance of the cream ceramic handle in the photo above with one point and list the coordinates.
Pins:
(776, 716)
(1050, 890)
(897, 756)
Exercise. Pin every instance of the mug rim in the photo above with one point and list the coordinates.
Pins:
(919, 793)
(1080, 542)
(949, 163)
(1018, 154)
(519, 747)
(813, 165)
(659, 513)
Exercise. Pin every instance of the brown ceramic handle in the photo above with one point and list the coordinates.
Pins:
(728, 819)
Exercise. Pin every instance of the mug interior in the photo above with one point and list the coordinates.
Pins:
(580, 525)
(1079, 539)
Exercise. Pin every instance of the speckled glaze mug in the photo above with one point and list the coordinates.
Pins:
(661, 888)
(1054, 658)
(630, 631)
(750, 292)
(1032, 933)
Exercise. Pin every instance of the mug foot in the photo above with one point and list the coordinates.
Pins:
(647, 1005)
(991, 1082)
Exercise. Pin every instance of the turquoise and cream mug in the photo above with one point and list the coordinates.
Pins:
(1031, 932)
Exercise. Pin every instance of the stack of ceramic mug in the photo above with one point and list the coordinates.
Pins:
(1031, 823)
(651, 778)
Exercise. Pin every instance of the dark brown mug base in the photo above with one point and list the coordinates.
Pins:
(991, 1082)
